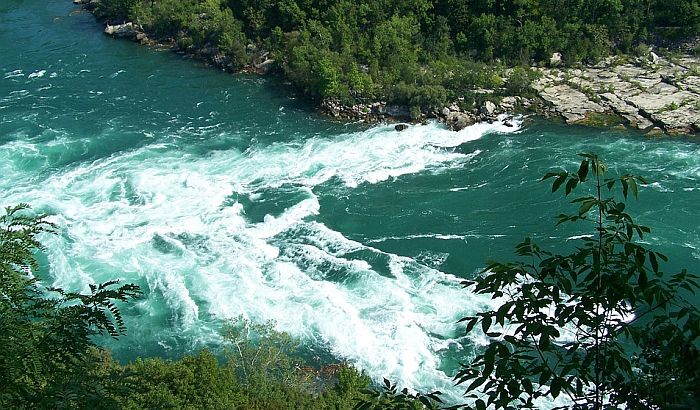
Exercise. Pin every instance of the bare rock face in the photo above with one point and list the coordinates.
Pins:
(570, 103)
(627, 111)
(663, 94)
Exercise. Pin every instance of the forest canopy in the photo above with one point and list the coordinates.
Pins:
(415, 52)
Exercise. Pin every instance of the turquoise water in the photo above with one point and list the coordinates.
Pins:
(224, 196)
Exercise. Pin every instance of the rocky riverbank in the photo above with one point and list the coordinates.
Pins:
(655, 94)
(455, 116)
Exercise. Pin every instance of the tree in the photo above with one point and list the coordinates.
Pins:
(45, 333)
(602, 324)
(589, 324)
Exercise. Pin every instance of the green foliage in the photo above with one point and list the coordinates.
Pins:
(45, 333)
(593, 324)
(520, 81)
(267, 366)
(426, 96)
(116, 9)
(389, 397)
(192, 382)
(259, 369)
(419, 43)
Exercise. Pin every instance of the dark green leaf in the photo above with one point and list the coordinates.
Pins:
(633, 187)
(471, 324)
(585, 207)
(476, 383)
(557, 183)
(654, 262)
(486, 323)
(642, 281)
(583, 170)
(550, 175)
(556, 386)
(363, 405)
(571, 185)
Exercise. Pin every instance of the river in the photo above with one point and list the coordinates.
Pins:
(224, 196)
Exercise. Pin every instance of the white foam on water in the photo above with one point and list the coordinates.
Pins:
(162, 217)
(373, 156)
(37, 74)
(14, 74)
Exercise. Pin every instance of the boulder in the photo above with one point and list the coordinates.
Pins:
(488, 109)
(458, 121)
(400, 127)
(220, 60)
(656, 131)
(508, 103)
(653, 57)
(398, 111)
(126, 30)
(555, 60)
(265, 66)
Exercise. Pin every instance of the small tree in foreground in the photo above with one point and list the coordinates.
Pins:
(45, 333)
(595, 325)
(601, 325)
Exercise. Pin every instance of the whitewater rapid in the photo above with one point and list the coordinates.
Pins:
(230, 233)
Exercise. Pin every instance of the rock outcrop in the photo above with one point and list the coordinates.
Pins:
(457, 120)
(126, 30)
(652, 92)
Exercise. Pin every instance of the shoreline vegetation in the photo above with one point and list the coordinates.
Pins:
(50, 357)
(455, 61)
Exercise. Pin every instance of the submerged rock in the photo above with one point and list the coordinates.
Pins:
(401, 127)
